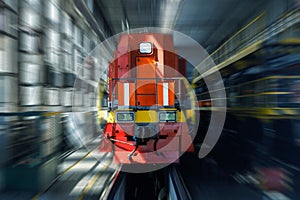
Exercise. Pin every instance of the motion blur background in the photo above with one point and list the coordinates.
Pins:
(48, 80)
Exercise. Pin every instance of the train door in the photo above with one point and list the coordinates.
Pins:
(146, 81)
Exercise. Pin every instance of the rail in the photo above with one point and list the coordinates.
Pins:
(116, 187)
(177, 188)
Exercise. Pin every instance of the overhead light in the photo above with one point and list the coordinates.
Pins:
(170, 12)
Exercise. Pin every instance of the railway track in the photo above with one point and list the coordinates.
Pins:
(177, 187)
(162, 184)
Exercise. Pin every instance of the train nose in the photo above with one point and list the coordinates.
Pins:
(146, 130)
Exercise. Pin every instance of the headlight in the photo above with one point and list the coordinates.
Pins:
(145, 47)
(167, 117)
(125, 117)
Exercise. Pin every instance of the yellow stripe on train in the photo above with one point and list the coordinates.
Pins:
(144, 116)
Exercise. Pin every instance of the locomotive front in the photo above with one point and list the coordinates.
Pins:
(149, 119)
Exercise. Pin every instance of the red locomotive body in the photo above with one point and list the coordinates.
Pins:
(147, 121)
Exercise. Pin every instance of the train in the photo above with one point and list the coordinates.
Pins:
(151, 117)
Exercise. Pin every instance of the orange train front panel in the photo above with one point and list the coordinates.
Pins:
(166, 96)
(146, 100)
(145, 67)
(146, 81)
(126, 93)
(145, 93)
(146, 87)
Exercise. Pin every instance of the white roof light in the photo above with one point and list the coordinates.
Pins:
(145, 47)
